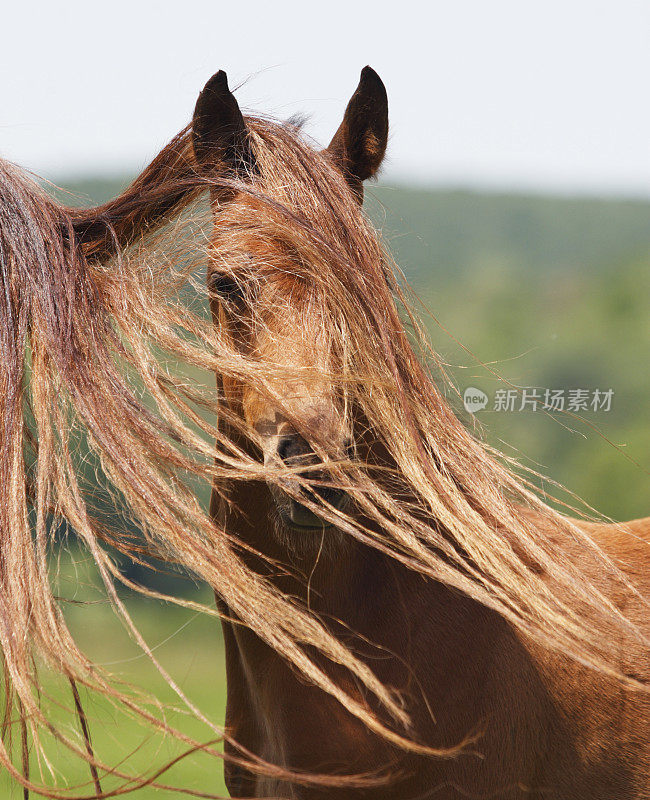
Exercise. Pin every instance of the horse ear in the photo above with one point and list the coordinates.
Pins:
(359, 144)
(219, 135)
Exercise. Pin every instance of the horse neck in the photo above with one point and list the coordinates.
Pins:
(348, 581)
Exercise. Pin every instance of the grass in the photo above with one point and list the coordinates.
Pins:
(187, 644)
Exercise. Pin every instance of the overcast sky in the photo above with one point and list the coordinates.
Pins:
(550, 95)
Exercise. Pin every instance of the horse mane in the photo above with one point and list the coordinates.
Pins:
(94, 310)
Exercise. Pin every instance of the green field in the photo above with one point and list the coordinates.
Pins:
(549, 292)
(188, 645)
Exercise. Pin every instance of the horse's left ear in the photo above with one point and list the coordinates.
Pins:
(359, 144)
(220, 137)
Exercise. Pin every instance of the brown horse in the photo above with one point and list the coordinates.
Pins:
(535, 722)
(403, 616)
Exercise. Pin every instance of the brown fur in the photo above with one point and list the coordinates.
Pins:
(545, 726)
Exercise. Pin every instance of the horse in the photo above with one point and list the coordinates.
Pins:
(532, 720)
(403, 616)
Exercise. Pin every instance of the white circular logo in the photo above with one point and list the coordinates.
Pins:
(474, 399)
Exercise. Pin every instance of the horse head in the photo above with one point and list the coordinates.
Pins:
(274, 286)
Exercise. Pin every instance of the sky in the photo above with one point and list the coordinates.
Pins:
(546, 96)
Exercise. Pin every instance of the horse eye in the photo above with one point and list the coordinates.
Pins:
(225, 286)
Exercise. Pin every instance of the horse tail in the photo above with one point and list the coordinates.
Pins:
(170, 182)
(55, 331)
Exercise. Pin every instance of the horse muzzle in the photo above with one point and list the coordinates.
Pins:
(294, 451)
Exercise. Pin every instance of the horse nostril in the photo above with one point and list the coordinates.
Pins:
(293, 447)
(295, 451)
(334, 497)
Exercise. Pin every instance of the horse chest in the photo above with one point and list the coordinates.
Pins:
(276, 715)
(296, 723)
(528, 746)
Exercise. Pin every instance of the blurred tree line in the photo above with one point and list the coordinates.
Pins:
(547, 292)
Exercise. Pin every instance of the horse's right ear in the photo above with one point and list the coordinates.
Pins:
(219, 135)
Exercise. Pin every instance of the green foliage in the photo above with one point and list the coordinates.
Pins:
(550, 293)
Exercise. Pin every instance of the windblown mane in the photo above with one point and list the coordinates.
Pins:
(92, 315)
